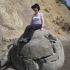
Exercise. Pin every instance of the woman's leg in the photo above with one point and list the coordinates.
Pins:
(32, 29)
(29, 31)
(30, 34)
(38, 26)
(26, 31)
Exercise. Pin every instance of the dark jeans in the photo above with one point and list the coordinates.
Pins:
(30, 30)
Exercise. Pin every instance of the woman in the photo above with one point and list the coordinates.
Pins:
(37, 22)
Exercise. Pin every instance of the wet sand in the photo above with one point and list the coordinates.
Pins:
(67, 58)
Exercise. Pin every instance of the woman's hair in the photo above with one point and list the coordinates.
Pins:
(35, 6)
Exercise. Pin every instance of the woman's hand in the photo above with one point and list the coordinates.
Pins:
(41, 29)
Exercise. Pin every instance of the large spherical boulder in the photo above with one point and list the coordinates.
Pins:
(43, 52)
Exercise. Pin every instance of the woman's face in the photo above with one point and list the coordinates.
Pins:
(35, 10)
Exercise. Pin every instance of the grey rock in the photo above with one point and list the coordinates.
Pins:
(37, 48)
(43, 52)
(6, 57)
(31, 65)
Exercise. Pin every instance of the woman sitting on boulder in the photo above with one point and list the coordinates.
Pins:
(37, 22)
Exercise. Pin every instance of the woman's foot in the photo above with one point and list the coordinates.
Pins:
(23, 40)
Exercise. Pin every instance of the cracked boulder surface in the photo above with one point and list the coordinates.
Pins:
(43, 52)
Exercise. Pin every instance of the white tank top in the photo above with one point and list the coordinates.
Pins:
(37, 19)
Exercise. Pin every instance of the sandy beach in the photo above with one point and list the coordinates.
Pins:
(67, 58)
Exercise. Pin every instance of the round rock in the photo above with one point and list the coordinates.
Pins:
(43, 52)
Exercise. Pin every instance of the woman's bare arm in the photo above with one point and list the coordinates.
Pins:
(31, 21)
(42, 20)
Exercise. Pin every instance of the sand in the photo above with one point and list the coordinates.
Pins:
(67, 58)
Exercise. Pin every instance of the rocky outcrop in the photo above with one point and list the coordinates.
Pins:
(43, 52)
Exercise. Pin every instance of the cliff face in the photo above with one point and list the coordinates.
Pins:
(15, 15)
